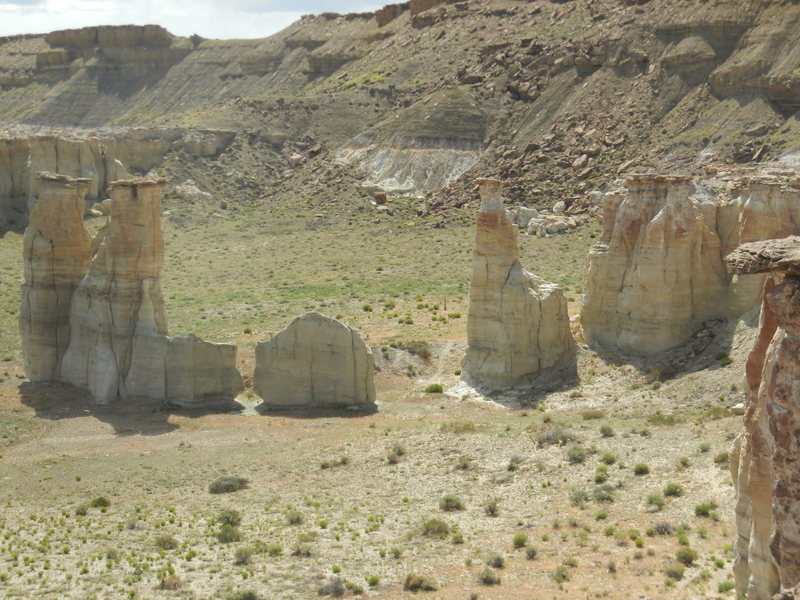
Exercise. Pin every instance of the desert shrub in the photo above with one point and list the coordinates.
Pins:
(606, 431)
(578, 497)
(607, 458)
(463, 463)
(243, 595)
(656, 501)
(166, 542)
(704, 509)
(673, 490)
(531, 552)
(294, 517)
(227, 484)
(722, 459)
(417, 348)
(100, 502)
(458, 427)
(434, 388)
(373, 580)
(170, 582)
(228, 534)
(458, 538)
(560, 574)
(520, 539)
(592, 413)
(81, 510)
(335, 587)
(601, 473)
(663, 528)
(496, 561)
(603, 493)
(661, 419)
(554, 436)
(686, 556)
(492, 507)
(229, 516)
(577, 454)
(641, 469)
(726, 586)
(416, 583)
(705, 447)
(243, 555)
(674, 572)
(435, 527)
(451, 503)
(488, 577)
(302, 550)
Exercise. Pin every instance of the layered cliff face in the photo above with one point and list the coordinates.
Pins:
(100, 159)
(657, 273)
(57, 252)
(316, 362)
(765, 472)
(119, 346)
(518, 326)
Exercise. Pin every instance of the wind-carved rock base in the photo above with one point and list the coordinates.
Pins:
(518, 325)
(767, 452)
(315, 362)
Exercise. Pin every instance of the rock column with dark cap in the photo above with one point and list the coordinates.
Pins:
(518, 326)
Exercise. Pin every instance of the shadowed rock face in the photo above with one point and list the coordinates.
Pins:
(119, 345)
(768, 450)
(518, 326)
(316, 362)
(657, 273)
(56, 253)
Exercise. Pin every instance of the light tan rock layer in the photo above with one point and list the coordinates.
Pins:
(56, 254)
(656, 273)
(767, 452)
(119, 346)
(315, 362)
(518, 326)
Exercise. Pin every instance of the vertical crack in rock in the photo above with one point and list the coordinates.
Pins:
(518, 324)
(56, 254)
(119, 347)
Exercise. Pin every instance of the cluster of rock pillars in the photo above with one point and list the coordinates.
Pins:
(673, 253)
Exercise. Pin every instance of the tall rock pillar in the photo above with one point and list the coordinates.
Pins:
(518, 326)
(767, 453)
(56, 253)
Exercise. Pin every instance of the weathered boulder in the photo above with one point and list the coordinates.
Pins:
(518, 326)
(119, 346)
(56, 253)
(315, 362)
(656, 274)
(766, 454)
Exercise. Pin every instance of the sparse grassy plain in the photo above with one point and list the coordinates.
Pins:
(549, 493)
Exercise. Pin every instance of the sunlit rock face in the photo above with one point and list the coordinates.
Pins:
(518, 326)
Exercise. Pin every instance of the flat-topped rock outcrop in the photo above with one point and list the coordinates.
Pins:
(518, 326)
(767, 452)
(315, 362)
(119, 346)
(56, 253)
(656, 274)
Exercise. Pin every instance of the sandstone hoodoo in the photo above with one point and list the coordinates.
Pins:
(56, 253)
(518, 326)
(656, 274)
(766, 453)
(315, 362)
(119, 346)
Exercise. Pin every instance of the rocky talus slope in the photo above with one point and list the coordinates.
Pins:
(556, 98)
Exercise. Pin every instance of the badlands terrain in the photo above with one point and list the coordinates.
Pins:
(331, 168)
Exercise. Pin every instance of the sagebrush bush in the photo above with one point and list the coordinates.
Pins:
(414, 583)
(451, 503)
(227, 484)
